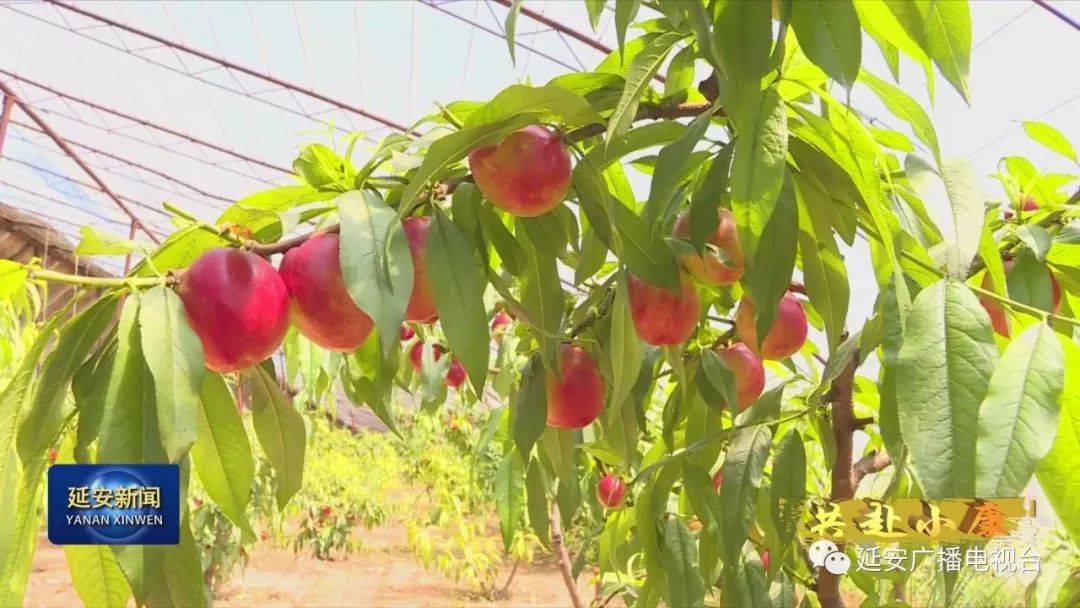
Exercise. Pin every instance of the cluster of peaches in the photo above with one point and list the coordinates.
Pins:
(240, 306)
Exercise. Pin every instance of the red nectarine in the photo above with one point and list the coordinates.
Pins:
(748, 371)
(575, 398)
(422, 299)
(709, 268)
(321, 307)
(238, 305)
(527, 174)
(660, 317)
(611, 491)
(785, 337)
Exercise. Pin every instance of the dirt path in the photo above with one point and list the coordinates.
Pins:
(384, 574)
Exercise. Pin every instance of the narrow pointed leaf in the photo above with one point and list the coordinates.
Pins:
(943, 371)
(904, 107)
(222, 452)
(743, 471)
(1057, 472)
(1051, 138)
(757, 170)
(459, 285)
(642, 69)
(281, 433)
(1019, 412)
(948, 34)
(829, 34)
(530, 406)
(378, 276)
(685, 586)
(76, 341)
(174, 355)
(509, 495)
(96, 576)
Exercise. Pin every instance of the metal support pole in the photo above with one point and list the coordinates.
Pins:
(63, 145)
(127, 260)
(5, 119)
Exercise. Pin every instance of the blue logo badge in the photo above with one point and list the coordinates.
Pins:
(106, 504)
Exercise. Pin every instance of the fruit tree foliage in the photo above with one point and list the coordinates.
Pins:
(679, 354)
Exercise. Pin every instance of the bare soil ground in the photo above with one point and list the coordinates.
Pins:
(383, 574)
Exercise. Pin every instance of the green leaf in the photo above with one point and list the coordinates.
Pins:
(829, 34)
(625, 11)
(89, 386)
(98, 243)
(174, 355)
(989, 253)
(773, 261)
(721, 381)
(20, 536)
(671, 166)
(1029, 282)
(788, 492)
(319, 166)
(378, 275)
(596, 11)
(96, 576)
(458, 284)
(1036, 238)
(705, 502)
(559, 447)
(757, 170)
(743, 471)
(77, 339)
(542, 295)
(681, 72)
(129, 427)
(509, 495)
(508, 248)
(530, 406)
(281, 432)
(904, 107)
(742, 33)
(706, 200)
(963, 197)
(943, 371)
(181, 582)
(1051, 138)
(1019, 412)
(625, 350)
(537, 502)
(1057, 472)
(222, 452)
(12, 278)
(142, 567)
(642, 69)
(510, 25)
(822, 265)
(685, 586)
(948, 35)
(180, 250)
(642, 248)
(550, 103)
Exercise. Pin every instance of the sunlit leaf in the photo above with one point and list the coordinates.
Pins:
(1019, 412)
(829, 34)
(944, 368)
(281, 432)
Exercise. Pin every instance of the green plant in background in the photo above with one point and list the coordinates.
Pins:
(658, 332)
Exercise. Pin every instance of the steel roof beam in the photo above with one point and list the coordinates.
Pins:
(230, 64)
(74, 156)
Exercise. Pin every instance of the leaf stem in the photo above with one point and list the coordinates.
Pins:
(52, 276)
